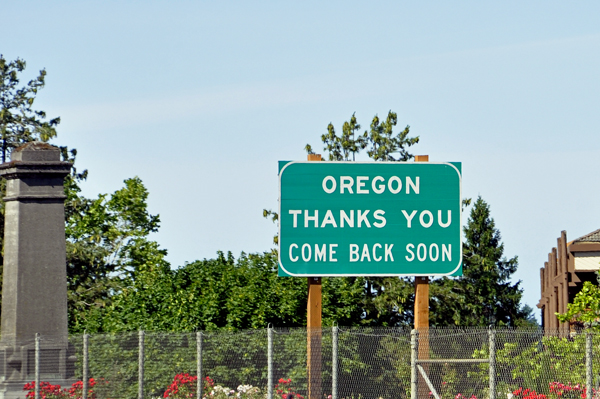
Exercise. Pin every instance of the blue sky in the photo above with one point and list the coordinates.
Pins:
(201, 99)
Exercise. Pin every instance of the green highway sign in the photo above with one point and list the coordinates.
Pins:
(369, 219)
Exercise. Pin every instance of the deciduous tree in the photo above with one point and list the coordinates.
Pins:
(107, 247)
(380, 141)
(223, 293)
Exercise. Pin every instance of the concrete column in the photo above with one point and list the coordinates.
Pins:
(34, 290)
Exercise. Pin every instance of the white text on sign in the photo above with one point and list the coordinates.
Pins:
(375, 253)
(360, 185)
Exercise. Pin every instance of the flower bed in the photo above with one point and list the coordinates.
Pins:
(49, 391)
(184, 386)
(557, 390)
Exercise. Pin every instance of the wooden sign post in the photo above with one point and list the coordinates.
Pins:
(313, 330)
(422, 314)
(421, 287)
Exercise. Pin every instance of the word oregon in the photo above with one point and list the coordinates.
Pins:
(375, 253)
(361, 185)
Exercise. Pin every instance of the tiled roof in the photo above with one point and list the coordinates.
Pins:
(594, 236)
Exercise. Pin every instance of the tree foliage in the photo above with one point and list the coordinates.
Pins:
(222, 293)
(380, 141)
(107, 245)
(585, 308)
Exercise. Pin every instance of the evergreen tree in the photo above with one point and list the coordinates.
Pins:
(484, 294)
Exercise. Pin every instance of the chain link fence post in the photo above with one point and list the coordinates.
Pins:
(492, 337)
(141, 365)
(269, 362)
(588, 362)
(334, 363)
(85, 366)
(200, 377)
(413, 364)
(37, 365)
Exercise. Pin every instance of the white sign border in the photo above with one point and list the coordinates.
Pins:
(371, 274)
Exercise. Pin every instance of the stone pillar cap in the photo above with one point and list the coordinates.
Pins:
(36, 151)
(35, 159)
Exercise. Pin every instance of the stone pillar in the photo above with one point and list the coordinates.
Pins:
(34, 289)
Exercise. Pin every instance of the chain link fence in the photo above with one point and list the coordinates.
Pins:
(331, 363)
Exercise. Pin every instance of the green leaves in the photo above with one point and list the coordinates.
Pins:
(534, 360)
(585, 307)
(223, 293)
(383, 144)
(208, 295)
(107, 249)
(340, 148)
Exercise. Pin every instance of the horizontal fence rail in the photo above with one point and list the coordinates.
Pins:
(458, 363)
(442, 361)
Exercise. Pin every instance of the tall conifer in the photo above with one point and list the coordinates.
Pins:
(484, 294)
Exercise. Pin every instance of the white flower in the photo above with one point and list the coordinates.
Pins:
(245, 388)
